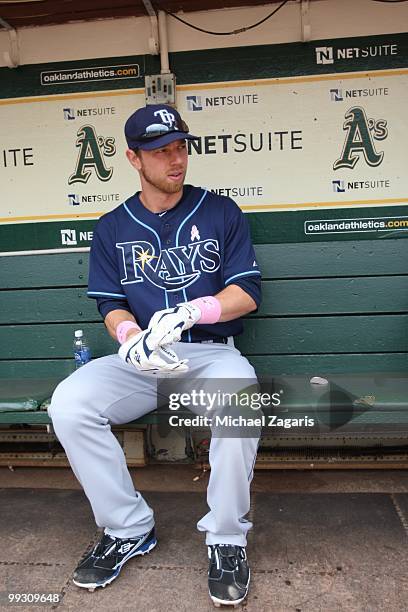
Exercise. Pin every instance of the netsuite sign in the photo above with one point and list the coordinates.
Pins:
(252, 142)
(329, 55)
(198, 103)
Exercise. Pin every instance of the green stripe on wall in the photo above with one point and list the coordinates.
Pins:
(213, 65)
(282, 60)
(288, 226)
(266, 228)
(26, 80)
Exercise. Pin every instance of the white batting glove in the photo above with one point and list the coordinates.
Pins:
(167, 325)
(146, 356)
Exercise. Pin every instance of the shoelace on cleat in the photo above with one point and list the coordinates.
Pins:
(105, 547)
(231, 560)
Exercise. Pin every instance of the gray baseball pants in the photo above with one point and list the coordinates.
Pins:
(108, 392)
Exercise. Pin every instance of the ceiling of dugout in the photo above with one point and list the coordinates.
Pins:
(20, 14)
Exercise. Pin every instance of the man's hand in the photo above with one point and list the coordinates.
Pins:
(144, 353)
(167, 325)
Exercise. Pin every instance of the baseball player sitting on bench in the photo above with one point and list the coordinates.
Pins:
(172, 270)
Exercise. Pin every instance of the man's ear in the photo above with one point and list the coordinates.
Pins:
(134, 158)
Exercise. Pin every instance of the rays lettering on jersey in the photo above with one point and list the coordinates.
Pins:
(172, 269)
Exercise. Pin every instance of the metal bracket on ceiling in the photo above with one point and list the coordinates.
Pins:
(161, 88)
(305, 20)
(154, 44)
(12, 56)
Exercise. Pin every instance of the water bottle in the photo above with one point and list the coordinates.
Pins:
(82, 353)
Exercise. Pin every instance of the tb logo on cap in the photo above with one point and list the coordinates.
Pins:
(166, 117)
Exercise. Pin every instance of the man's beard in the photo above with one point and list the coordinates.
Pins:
(162, 184)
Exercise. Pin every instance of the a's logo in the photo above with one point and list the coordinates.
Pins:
(92, 149)
(166, 117)
(338, 186)
(324, 55)
(73, 199)
(174, 268)
(194, 103)
(361, 133)
(195, 234)
(69, 114)
(336, 95)
(68, 237)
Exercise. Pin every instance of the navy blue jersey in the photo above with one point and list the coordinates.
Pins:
(149, 261)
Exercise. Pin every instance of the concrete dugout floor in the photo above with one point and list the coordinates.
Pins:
(323, 541)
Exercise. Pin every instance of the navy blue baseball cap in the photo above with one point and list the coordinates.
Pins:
(154, 126)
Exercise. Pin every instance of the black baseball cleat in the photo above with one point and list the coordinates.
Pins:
(103, 563)
(228, 574)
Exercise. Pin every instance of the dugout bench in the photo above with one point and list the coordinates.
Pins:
(337, 310)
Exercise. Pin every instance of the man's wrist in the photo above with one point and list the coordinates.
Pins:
(126, 329)
(210, 308)
(133, 332)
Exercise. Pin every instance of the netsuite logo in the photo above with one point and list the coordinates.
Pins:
(69, 237)
(194, 103)
(340, 186)
(328, 55)
(338, 95)
(70, 114)
(199, 103)
(73, 199)
(324, 55)
(94, 198)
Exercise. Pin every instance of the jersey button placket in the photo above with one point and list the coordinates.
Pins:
(168, 240)
(166, 234)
